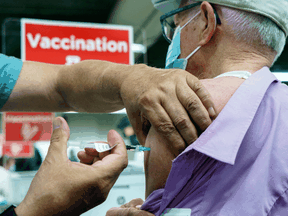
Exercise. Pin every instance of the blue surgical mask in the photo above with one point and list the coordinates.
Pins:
(174, 50)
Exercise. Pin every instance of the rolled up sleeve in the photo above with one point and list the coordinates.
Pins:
(10, 69)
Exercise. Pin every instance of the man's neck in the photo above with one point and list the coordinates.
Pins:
(249, 64)
(237, 59)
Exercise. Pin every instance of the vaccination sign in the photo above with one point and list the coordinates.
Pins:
(22, 129)
(68, 43)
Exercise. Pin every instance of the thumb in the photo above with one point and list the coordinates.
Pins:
(59, 138)
(114, 138)
(114, 163)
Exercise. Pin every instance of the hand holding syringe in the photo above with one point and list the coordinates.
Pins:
(104, 146)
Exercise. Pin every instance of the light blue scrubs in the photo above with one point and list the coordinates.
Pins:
(10, 69)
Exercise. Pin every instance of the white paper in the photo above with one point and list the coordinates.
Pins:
(102, 147)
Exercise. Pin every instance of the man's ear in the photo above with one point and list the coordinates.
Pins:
(208, 24)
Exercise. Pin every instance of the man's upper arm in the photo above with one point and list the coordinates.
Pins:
(10, 68)
(158, 161)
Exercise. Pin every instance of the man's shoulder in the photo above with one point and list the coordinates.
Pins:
(222, 89)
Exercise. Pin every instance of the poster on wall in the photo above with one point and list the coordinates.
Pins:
(59, 42)
(21, 130)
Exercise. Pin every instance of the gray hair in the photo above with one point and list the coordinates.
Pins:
(255, 29)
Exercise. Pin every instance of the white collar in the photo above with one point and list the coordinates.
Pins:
(239, 74)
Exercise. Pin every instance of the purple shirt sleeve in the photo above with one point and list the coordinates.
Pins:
(239, 165)
(280, 206)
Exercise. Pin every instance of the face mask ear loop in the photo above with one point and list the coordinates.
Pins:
(190, 20)
(193, 52)
(215, 22)
(198, 46)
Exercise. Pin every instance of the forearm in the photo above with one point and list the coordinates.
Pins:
(92, 86)
(35, 89)
(89, 86)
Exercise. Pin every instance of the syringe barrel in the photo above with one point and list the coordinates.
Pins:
(87, 145)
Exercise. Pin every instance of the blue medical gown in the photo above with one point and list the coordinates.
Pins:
(10, 69)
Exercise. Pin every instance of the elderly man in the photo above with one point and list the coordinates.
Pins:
(238, 166)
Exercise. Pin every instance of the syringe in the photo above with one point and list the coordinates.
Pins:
(104, 146)
(137, 148)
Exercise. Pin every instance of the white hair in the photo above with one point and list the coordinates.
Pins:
(255, 29)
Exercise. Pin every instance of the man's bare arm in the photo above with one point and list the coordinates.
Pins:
(158, 161)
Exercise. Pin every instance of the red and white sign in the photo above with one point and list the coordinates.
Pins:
(22, 129)
(69, 42)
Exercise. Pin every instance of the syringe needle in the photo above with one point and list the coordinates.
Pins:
(137, 148)
(102, 146)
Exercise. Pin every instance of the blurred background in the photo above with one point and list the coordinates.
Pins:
(138, 13)
(17, 173)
